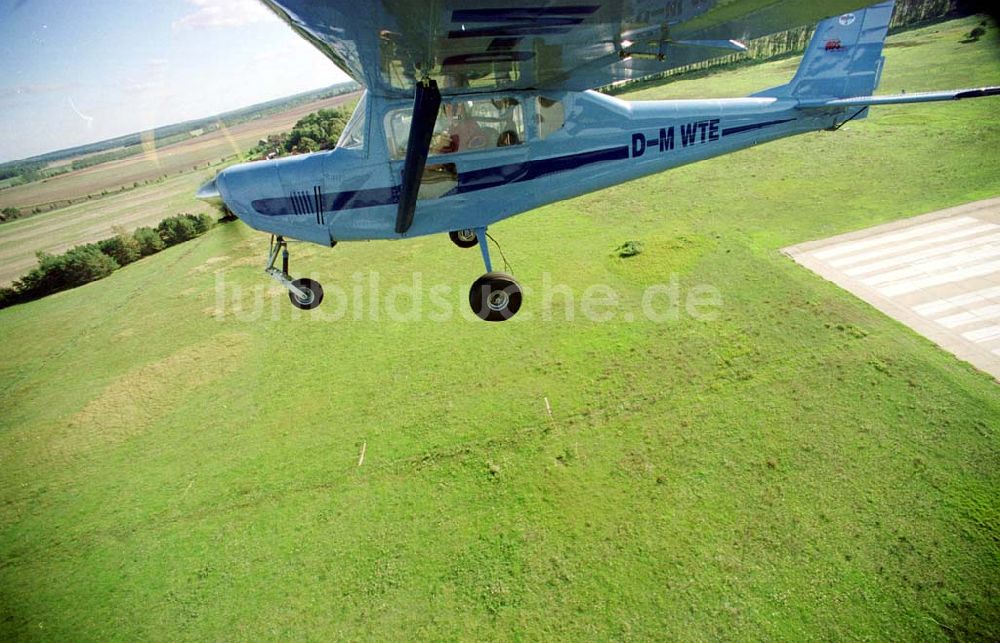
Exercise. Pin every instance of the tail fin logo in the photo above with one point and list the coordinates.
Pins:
(847, 19)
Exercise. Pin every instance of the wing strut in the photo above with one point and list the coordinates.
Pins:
(426, 103)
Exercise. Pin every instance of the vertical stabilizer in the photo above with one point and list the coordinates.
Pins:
(844, 57)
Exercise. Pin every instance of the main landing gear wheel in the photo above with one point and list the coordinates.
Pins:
(464, 238)
(495, 297)
(312, 294)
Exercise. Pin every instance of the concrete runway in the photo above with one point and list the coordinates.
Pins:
(938, 273)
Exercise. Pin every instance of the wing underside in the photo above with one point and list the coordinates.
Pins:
(490, 45)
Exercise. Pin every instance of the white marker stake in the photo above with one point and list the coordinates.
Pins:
(361, 459)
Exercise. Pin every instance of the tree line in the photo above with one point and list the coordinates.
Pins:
(907, 14)
(90, 262)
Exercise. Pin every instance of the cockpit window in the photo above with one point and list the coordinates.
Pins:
(551, 116)
(462, 126)
(353, 135)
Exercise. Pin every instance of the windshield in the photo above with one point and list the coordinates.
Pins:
(354, 134)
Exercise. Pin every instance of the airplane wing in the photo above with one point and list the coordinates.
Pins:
(490, 45)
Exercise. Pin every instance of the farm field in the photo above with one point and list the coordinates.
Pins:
(89, 221)
(179, 448)
(155, 163)
(92, 219)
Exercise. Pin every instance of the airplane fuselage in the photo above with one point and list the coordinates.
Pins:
(596, 141)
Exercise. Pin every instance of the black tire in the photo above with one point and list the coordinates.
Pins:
(495, 297)
(464, 238)
(312, 289)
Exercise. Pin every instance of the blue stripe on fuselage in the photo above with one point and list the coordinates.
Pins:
(749, 128)
(470, 181)
(281, 206)
(492, 177)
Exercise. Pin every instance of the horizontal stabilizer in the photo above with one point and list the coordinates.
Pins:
(898, 99)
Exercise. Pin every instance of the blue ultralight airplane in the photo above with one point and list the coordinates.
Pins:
(477, 110)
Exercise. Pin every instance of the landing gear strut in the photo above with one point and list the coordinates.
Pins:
(495, 296)
(304, 294)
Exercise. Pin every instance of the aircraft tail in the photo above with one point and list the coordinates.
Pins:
(844, 57)
(843, 64)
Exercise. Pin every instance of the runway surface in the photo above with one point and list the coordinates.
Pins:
(938, 273)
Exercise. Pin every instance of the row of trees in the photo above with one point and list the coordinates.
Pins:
(312, 133)
(105, 157)
(21, 169)
(28, 173)
(906, 14)
(93, 261)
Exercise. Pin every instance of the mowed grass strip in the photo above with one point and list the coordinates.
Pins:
(798, 466)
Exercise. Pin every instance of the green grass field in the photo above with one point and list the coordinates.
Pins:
(801, 466)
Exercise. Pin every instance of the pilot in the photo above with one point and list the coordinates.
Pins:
(466, 133)
(460, 131)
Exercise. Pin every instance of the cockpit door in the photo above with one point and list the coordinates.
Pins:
(471, 136)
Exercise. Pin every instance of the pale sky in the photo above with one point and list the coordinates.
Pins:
(78, 72)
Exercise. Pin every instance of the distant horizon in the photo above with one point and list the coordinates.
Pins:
(318, 90)
(81, 74)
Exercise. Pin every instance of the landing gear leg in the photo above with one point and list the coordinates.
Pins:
(484, 247)
(305, 294)
(495, 296)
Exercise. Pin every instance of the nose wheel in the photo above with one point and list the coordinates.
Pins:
(496, 296)
(464, 238)
(311, 294)
(305, 294)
